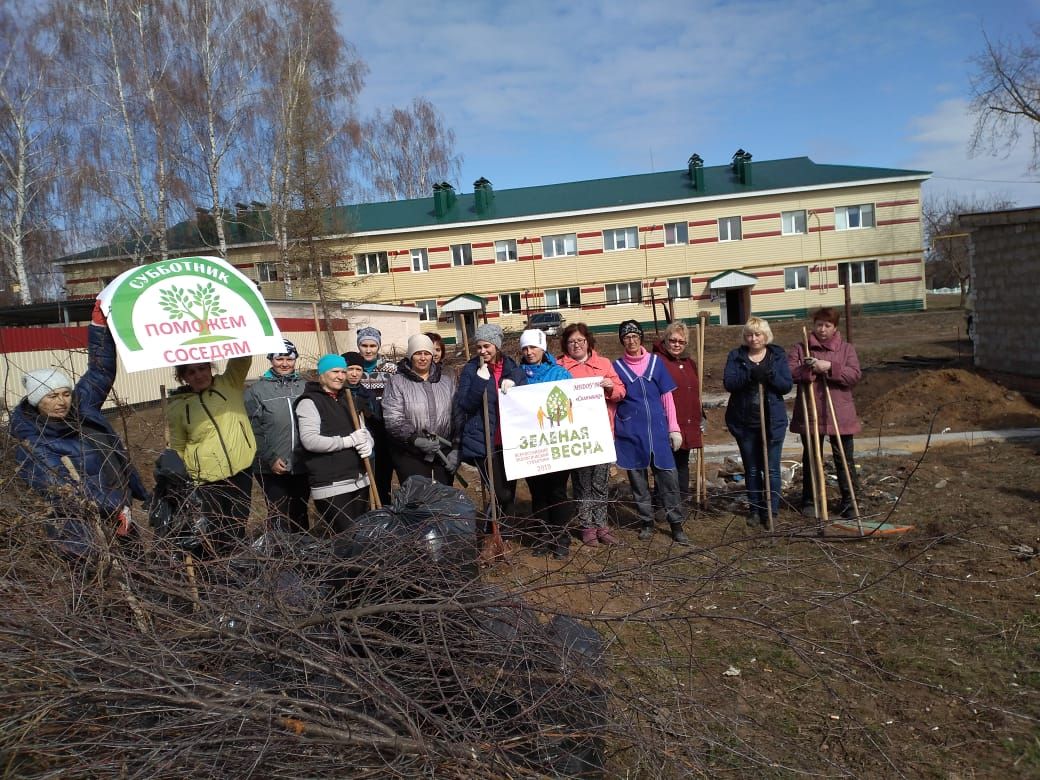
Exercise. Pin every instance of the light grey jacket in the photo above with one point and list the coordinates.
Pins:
(269, 404)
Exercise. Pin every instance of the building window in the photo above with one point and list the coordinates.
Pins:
(509, 303)
(427, 311)
(625, 292)
(859, 272)
(854, 217)
(461, 254)
(560, 246)
(372, 263)
(563, 298)
(729, 229)
(267, 272)
(505, 251)
(679, 287)
(322, 268)
(420, 260)
(620, 238)
(676, 233)
(792, 222)
(796, 278)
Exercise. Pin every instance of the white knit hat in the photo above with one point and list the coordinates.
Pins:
(43, 381)
(533, 338)
(420, 342)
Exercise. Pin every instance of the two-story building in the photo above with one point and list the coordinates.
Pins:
(773, 238)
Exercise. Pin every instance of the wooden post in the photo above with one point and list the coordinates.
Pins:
(848, 307)
(465, 335)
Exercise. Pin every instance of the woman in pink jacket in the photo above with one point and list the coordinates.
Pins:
(831, 363)
(590, 483)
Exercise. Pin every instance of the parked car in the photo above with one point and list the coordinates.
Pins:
(551, 322)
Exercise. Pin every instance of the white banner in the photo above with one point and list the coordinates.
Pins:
(554, 426)
(189, 310)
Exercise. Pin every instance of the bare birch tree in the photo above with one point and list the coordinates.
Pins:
(1006, 95)
(406, 150)
(948, 258)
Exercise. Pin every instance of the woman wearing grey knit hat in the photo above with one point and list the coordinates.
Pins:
(481, 378)
(60, 424)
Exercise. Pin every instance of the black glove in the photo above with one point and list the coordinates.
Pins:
(760, 372)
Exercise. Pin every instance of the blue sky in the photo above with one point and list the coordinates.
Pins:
(541, 92)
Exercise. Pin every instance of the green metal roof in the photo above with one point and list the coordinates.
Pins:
(618, 192)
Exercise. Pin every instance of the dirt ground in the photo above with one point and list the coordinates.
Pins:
(774, 655)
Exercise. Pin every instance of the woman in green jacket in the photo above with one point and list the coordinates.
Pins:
(210, 430)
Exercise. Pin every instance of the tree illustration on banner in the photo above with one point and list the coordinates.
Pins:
(197, 305)
(557, 405)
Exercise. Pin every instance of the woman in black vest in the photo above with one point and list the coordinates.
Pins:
(333, 448)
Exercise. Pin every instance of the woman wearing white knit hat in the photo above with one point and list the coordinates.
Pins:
(60, 424)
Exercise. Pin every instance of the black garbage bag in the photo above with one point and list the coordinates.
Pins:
(175, 512)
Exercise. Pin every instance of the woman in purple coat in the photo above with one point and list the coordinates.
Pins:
(832, 363)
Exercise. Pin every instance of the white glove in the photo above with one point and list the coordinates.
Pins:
(484, 372)
(675, 439)
(361, 440)
(506, 386)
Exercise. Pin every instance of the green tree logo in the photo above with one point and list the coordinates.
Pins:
(557, 406)
(198, 305)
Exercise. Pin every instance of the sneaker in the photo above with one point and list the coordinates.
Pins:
(589, 537)
(646, 533)
(605, 536)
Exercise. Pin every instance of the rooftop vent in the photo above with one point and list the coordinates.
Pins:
(443, 198)
(741, 166)
(483, 195)
(696, 168)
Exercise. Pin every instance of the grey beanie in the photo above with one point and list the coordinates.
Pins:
(43, 382)
(490, 333)
(370, 334)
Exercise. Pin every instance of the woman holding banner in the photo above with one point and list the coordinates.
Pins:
(646, 431)
(479, 382)
(549, 502)
(591, 482)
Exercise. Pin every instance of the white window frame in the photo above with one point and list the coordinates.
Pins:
(560, 245)
(571, 294)
(680, 287)
(420, 261)
(366, 261)
(726, 229)
(680, 233)
(267, 272)
(505, 250)
(461, 255)
(427, 310)
(789, 222)
(506, 300)
(324, 269)
(622, 293)
(864, 217)
(796, 277)
(619, 239)
(859, 272)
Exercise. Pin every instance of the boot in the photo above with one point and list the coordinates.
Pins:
(561, 547)
(646, 533)
(605, 536)
(589, 537)
(679, 535)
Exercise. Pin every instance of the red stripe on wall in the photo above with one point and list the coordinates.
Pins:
(532, 257)
(530, 296)
(899, 279)
(904, 261)
(657, 284)
(700, 298)
(827, 210)
(712, 240)
(343, 273)
(483, 244)
(38, 339)
(767, 234)
(591, 252)
(702, 222)
(763, 216)
(769, 273)
(593, 234)
(439, 266)
(904, 221)
(492, 315)
(438, 249)
(652, 246)
(908, 202)
(821, 228)
(535, 240)
(243, 266)
(590, 306)
(484, 262)
(768, 292)
(649, 228)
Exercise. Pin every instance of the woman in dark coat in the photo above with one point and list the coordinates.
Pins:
(758, 369)
(834, 365)
(481, 377)
(57, 425)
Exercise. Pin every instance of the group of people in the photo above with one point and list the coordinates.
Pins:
(337, 440)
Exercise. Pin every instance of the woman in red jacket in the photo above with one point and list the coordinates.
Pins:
(687, 397)
(590, 482)
(831, 362)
